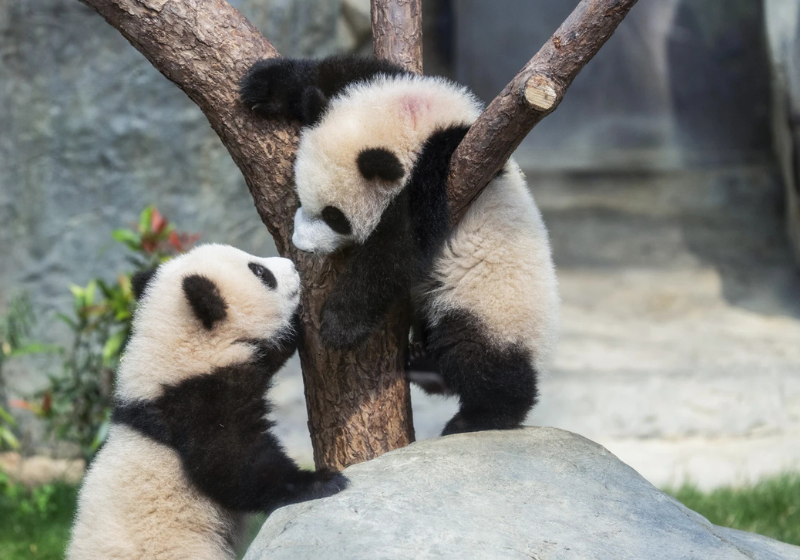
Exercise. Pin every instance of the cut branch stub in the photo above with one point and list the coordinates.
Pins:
(540, 93)
(397, 32)
(533, 94)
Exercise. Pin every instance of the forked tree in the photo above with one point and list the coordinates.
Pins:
(358, 402)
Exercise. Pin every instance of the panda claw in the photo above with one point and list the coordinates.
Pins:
(415, 352)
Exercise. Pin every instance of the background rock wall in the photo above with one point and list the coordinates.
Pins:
(680, 83)
(91, 133)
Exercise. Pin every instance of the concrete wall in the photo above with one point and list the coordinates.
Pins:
(682, 82)
(783, 30)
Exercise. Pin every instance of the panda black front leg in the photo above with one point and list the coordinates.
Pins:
(278, 481)
(378, 275)
(343, 326)
(281, 87)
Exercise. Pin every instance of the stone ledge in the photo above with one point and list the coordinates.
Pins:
(38, 470)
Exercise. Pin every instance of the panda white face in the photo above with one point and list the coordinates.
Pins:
(211, 307)
(341, 203)
(321, 234)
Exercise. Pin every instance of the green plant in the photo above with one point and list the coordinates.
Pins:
(770, 507)
(77, 402)
(7, 424)
(15, 330)
(36, 521)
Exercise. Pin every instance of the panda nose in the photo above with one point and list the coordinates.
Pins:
(286, 275)
(295, 290)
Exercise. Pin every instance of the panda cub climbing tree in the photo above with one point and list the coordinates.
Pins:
(189, 449)
(370, 174)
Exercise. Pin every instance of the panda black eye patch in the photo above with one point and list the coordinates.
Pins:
(379, 163)
(336, 220)
(264, 274)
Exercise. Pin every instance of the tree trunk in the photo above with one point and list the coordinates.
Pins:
(358, 402)
(397, 32)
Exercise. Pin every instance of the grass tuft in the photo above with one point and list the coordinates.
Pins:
(770, 507)
(35, 523)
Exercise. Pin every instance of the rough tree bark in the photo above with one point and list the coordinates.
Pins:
(358, 402)
(397, 32)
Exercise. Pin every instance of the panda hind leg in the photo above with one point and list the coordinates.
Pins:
(496, 385)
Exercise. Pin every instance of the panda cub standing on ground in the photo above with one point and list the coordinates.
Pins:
(371, 173)
(189, 450)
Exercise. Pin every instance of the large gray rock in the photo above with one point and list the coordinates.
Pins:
(534, 493)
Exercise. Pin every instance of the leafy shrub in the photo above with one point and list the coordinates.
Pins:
(15, 330)
(77, 402)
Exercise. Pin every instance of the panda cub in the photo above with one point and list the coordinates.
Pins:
(189, 450)
(370, 174)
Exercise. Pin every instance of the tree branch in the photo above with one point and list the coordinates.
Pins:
(358, 402)
(397, 32)
(532, 95)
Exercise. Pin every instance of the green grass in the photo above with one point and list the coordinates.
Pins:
(254, 523)
(770, 507)
(35, 523)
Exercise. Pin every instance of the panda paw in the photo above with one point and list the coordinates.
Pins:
(458, 425)
(340, 331)
(327, 484)
(269, 86)
(280, 87)
(478, 422)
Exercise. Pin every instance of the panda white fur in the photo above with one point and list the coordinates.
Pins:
(189, 449)
(370, 175)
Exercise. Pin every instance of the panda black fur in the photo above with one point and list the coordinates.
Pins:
(371, 173)
(189, 450)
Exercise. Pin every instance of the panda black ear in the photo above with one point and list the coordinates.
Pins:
(205, 299)
(140, 280)
(379, 163)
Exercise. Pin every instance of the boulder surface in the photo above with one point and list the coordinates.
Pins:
(535, 493)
